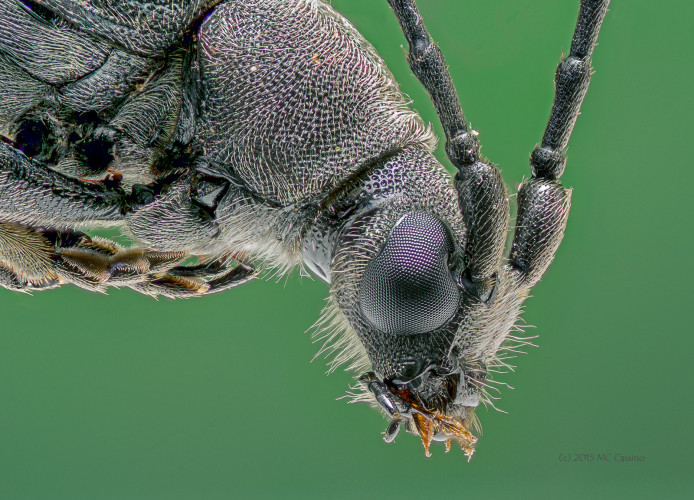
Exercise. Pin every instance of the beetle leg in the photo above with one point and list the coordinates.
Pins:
(25, 263)
(15, 282)
(179, 283)
(97, 263)
(33, 259)
(481, 191)
(208, 270)
(543, 203)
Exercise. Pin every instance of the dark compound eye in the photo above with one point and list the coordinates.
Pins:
(408, 288)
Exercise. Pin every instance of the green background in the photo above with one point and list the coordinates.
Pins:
(124, 397)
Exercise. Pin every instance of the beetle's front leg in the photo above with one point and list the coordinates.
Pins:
(34, 196)
(194, 281)
(25, 263)
(33, 259)
(183, 218)
(97, 263)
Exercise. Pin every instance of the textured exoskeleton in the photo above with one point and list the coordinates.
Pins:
(269, 134)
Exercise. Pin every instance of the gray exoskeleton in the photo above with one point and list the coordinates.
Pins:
(270, 134)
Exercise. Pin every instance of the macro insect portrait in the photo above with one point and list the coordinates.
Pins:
(225, 138)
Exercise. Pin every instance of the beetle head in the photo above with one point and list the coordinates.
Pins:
(397, 278)
(402, 310)
(410, 293)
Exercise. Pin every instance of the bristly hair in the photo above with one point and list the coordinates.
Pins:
(340, 343)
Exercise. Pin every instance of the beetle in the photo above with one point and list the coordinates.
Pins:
(226, 137)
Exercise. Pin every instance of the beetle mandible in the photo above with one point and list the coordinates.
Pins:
(270, 134)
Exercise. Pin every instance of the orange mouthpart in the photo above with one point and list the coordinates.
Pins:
(427, 424)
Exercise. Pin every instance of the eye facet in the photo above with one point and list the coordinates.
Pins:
(408, 288)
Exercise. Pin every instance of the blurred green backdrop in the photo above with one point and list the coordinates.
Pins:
(124, 397)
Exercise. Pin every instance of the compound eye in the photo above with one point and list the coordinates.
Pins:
(408, 288)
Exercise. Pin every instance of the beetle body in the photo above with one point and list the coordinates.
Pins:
(270, 133)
